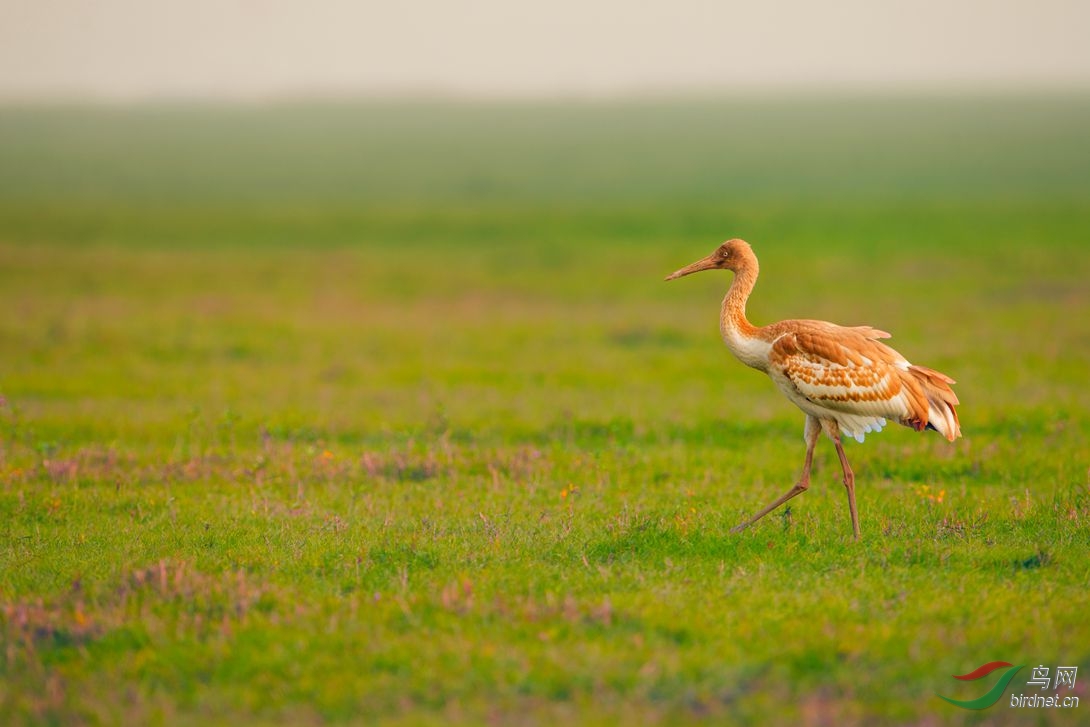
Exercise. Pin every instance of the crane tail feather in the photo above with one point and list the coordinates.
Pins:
(934, 403)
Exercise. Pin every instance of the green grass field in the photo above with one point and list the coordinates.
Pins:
(382, 413)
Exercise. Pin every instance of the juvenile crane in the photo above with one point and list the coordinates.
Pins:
(844, 378)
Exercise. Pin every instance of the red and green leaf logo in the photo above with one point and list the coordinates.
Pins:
(992, 695)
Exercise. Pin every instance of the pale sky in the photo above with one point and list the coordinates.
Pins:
(254, 49)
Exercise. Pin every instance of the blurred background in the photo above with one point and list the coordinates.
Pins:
(130, 50)
(442, 207)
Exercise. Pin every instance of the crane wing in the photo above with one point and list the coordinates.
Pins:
(848, 373)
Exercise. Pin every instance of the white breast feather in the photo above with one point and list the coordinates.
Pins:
(753, 352)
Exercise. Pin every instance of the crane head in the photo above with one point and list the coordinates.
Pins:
(731, 255)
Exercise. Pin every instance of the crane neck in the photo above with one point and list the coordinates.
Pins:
(733, 323)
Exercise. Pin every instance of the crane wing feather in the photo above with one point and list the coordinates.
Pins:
(845, 371)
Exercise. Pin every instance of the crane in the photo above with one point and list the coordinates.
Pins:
(844, 378)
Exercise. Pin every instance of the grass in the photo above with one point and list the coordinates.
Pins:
(383, 413)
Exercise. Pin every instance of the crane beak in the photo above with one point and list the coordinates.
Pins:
(703, 264)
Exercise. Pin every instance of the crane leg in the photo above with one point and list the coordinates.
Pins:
(849, 484)
(813, 431)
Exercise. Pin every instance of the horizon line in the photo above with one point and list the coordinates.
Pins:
(853, 90)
